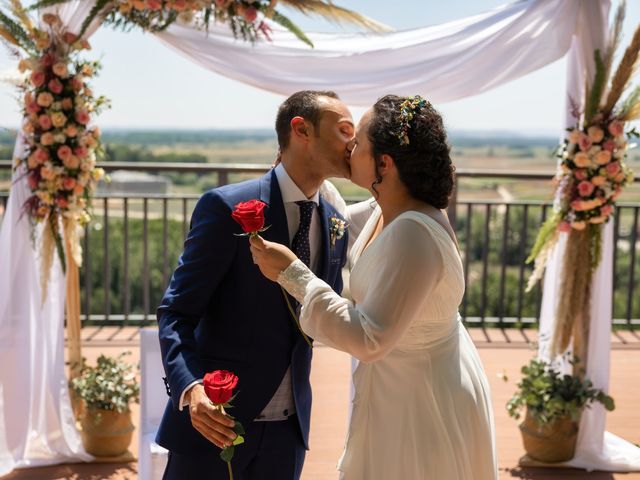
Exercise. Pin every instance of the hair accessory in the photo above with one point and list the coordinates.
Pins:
(407, 110)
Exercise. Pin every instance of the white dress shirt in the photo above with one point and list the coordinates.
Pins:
(282, 404)
(291, 194)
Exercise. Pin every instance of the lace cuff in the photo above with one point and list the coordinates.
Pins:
(295, 278)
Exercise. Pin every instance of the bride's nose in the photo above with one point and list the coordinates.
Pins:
(351, 145)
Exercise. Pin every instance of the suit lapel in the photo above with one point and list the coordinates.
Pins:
(275, 216)
(325, 211)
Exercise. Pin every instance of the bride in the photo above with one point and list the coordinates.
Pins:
(422, 407)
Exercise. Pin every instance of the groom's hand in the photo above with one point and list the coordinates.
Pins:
(210, 422)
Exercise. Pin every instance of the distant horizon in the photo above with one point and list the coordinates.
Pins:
(531, 133)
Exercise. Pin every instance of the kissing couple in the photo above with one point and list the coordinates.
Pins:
(422, 406)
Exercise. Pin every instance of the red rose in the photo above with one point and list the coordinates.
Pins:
(250, 215)
(219, 385)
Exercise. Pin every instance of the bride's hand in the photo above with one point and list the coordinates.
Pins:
(272, 258)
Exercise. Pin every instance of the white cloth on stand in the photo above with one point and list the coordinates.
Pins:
(442, 62)
(596, 448)
(152, 458)
(37, 426)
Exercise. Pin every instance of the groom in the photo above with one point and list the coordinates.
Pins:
(219, 312)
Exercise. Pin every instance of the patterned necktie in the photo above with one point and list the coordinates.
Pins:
(300, 244)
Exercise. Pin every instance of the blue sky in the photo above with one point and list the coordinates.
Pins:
(152, 87)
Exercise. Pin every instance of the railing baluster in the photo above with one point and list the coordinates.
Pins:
(125, 297)
(184, 218)
(632, 264)
(145, 257)
(543, 218)
(485, 263)
(453, 203)
(467, 255)
(616, 237)
(522, 256)
(107, 272)
(503, 270)
(165, 240)
(86, 264)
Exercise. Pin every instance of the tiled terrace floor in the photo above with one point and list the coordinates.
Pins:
(502, 352)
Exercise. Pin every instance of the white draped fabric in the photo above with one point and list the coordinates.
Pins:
(37, 425)
(596, 449)
(443, 62)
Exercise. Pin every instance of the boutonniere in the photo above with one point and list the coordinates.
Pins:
(337, 228)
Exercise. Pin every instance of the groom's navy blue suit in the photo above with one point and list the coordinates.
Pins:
(219, 312)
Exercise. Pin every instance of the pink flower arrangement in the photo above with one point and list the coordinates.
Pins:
(594, 174)
(57, 103)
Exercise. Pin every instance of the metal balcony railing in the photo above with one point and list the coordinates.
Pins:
(133, 243)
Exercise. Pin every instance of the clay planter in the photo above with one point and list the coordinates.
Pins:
(106, 433)
(551, 443)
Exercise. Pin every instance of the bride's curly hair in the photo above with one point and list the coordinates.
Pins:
(424, 164)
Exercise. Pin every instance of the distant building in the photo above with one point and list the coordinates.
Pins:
(124, 182)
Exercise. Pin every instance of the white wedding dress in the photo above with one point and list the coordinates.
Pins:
(422, 407)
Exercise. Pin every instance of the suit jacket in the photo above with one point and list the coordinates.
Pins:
(220, 312)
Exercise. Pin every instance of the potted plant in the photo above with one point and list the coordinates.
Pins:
(554, 404)
(105, 391)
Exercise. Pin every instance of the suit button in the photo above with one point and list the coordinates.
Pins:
(285, 412)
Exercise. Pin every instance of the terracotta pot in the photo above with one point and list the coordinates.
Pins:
(551, 443)
(106, 433)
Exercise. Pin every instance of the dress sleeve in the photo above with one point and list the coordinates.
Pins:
(400, 282)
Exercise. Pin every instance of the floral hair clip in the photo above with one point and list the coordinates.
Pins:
(407, 110)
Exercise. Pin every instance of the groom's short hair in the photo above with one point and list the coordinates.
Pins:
(301, 104)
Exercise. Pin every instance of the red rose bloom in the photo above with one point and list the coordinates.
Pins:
(219, 385)
(250, 215)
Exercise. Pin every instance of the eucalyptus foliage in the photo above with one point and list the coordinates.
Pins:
(110, 385)
(549, 396)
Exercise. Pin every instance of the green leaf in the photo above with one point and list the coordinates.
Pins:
(292, 27)
(545, 233)
(93, 13)
(227, 453)
(631, 100)
(46, 3)
(608, 403)
(59, 247)
(595, 93)
(239, 440)
(239, 429)
(17, 31)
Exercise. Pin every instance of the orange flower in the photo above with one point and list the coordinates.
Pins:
(72, 162)
(46, 139)
(45, 99)
(60, 69)
(71, 130)
(58, 119)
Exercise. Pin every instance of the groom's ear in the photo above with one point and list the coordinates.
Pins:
(299, 128)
